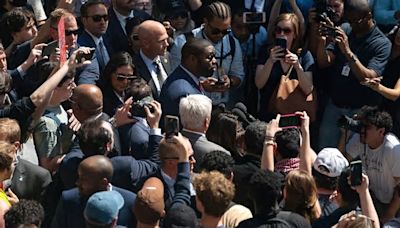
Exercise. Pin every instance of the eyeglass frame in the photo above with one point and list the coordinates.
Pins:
(99, 18)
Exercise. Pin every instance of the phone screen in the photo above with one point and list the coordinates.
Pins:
(356, 173)
(289, 121)
(281, 42)
(254, 17)
(171, 126)
(50, 48)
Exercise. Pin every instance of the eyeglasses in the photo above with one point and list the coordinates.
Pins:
(97, 18)
(279, 30)
(182, 15)
(121, 77)
(217, 31)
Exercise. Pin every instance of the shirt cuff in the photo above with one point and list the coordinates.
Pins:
(21, 72)
(155, 131)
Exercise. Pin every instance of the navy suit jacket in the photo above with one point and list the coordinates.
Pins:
(115, 33)
(135, 139)
(85, 40)
(110, 100)
(69, 212)
(128, 171)
(179, 84)
(143, 72)
(30, 181)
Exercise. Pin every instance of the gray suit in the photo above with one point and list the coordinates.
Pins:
(201, 146)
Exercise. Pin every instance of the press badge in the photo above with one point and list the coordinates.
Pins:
(346, 70)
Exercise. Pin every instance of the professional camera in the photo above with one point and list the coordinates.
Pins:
(137, 108)
(349, 123)
(323, 10)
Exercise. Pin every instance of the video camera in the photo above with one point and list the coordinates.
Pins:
(349, 123)
(323, 10)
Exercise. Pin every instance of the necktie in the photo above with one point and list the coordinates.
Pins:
(103, 57)
(158, 66)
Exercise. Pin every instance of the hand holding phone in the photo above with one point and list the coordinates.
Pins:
(83, 56)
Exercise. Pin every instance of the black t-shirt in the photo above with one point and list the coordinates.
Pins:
(292, 219)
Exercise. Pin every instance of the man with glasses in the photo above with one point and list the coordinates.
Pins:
(88, 74)
(150, 63)
(354, 57)
(230, 74)
(94, 17)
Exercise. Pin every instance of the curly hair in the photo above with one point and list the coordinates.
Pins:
(218, 161)
(214, 191)
(25, 212)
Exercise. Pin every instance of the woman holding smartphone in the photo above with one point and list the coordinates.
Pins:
(283, 57)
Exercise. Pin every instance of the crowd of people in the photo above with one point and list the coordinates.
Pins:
(169, 113)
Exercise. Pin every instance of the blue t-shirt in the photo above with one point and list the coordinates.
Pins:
(373, 51)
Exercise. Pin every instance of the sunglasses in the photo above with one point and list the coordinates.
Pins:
(98, 18)
(216, 31)
(70, 32)
(122, 78)
(182, 15)
(279, 30)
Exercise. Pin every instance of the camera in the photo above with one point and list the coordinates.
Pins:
(323, 10)
(137, 108)
(349, 123)
(81, 56)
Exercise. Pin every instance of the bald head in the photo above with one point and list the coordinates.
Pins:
(98, 166)
(194, 47)
(88, 99)
(153, 38)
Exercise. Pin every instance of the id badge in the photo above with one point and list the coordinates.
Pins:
(346, 70)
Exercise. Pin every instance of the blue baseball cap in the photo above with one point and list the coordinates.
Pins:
(103, 207)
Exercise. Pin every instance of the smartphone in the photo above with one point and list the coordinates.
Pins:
(355, 173)
(290, 121)
(254, 17)
(80, 56)
(281, 42)
(220, 73)
(50, 48)
(171, 126)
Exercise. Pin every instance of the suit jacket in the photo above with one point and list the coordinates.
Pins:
(69, 212)
(144, 72)
(135, 139)
(179, 84)
(116, 34)
(30, 181)
(201, 146)
(111, 102)
(128, 171)
(85, 40)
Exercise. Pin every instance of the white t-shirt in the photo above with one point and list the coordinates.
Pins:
(381, 164)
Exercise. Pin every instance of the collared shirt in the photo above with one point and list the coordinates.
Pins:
(231, 66)
(152, 69)
(122, 18)
(194, 132)
(95, 38)
(258, 5)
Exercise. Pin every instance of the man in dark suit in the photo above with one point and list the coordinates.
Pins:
(195, 113)
(198, 59)
(28, 181)
(151, 63)
(94, 17)
(95, 174)
(120, 12)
